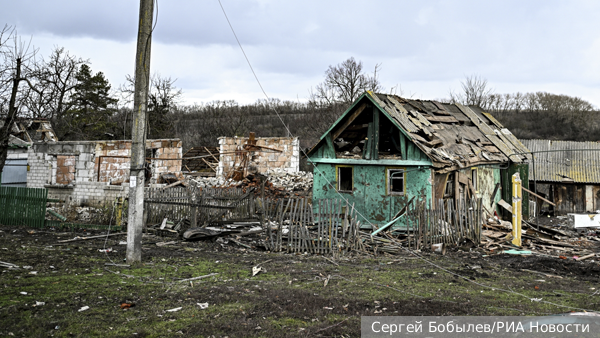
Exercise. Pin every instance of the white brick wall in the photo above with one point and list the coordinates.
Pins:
(287, 160)
(41, 158)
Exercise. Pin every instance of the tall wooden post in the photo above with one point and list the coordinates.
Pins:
(138, 147)
(517, 201)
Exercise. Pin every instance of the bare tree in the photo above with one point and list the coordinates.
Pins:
(344, 83)
(163, 98)
(51, 85)
(15, 58)
(474, 92)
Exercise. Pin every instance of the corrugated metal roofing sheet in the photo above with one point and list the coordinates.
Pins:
(564, 161)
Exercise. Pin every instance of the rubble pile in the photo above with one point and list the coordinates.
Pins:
(278, 183)
(560, 239)
(300, 181)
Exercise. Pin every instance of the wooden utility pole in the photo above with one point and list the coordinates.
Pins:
(138, 147)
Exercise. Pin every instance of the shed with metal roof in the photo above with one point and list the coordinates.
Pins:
(567, 172)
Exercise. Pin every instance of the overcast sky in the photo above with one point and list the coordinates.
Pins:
(426, 48)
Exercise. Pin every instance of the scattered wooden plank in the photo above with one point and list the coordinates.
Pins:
(541, 273)
(91, 237)
(585, 257)
(166, 243)
(8, 265)
(240, 243)
(199, 277)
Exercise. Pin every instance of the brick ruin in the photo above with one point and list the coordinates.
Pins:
(94, 172)
(286, 158)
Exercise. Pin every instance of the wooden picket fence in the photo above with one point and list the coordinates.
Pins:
(23, 206)
(328, 227)
(294, 225)
(201, 206)
(333, 227)
(173, 203)
(448, 223)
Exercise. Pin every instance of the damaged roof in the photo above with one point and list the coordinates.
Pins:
(453, 136)
(27, 131)
(564, 161)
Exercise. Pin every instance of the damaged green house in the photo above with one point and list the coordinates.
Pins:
(385, 150)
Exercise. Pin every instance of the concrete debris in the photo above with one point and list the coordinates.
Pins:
(278, 183)
(584, 220)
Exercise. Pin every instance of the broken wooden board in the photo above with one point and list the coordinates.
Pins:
(195, 234)
(505, 205)
(493, 234)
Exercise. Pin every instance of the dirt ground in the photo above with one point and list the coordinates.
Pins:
(294, 296)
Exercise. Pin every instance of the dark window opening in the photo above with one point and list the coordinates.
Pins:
(449, 187)
(389, 138)
(345, 179)
(350, 141)
(396, 181)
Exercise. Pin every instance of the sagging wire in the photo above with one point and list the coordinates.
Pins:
(279, 116)
(346, 200)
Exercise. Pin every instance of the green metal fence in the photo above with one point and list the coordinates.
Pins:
(23, 206)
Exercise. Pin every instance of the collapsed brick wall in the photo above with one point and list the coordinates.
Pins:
(287, 160)
(94, 172)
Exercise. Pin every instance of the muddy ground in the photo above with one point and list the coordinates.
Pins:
(294, 296)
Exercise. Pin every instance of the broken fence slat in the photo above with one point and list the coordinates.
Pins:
(200, 277)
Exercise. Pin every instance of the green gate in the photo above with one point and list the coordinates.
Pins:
(23, 206)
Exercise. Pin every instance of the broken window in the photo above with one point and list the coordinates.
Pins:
(65, 169)
(350, 138)
(395, 179)
(345, 178)
(389, 139)
(474, 178)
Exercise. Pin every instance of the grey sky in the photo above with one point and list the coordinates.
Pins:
(425, 47)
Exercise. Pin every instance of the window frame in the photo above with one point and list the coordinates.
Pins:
(388, 181)
(337, 178)
(449, 185)
(475, 179)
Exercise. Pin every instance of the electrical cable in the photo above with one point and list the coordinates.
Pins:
(343, 198)
(277, 113)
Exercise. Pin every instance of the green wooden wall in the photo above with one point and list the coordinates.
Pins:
(370, 188)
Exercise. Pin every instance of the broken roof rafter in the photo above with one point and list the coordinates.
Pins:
(452, 136)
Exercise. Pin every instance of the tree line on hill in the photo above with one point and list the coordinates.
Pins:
(537, 115)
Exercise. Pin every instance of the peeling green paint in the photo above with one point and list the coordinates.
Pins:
(370, 196)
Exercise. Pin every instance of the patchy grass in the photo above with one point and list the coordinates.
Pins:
(297, 296)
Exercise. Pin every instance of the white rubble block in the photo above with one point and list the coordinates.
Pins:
(584, 220)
